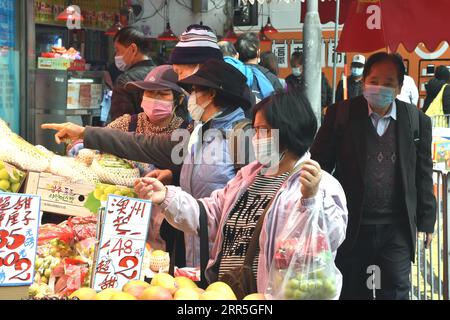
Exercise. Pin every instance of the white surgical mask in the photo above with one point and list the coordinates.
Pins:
(296, 72)
(357, 72)
(379, 96)
(195, 110)
(120, 63)
(266, 152)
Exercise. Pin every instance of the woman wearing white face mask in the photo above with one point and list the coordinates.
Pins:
(282, 187)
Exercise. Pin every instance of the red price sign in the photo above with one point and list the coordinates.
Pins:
(122, 244)
(19, 222)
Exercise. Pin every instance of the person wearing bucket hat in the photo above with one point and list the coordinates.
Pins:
(164, 103)
(197, 44)
(162, 98)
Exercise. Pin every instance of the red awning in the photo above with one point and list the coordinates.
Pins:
(327, 10)
(372, 25)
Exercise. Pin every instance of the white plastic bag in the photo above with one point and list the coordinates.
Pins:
(303, 265)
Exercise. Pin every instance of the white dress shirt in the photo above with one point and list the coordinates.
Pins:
(381, 123)
(409, 92)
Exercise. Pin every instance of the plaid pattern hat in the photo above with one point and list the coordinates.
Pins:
(197, 44)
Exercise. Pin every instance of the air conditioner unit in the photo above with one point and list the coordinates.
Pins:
(199, 6)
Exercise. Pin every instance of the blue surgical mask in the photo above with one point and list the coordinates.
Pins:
(357, 72)
(379, 96)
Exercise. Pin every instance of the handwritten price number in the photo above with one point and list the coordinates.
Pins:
(13, 259)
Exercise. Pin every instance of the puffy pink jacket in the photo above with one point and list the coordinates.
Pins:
(182, 211)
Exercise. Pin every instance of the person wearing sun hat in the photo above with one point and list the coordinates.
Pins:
(218, 96)
(162, 98)
(197, 44)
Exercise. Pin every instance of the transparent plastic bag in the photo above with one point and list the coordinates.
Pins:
(303, 265)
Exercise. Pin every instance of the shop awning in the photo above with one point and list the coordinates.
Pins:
(376, 24)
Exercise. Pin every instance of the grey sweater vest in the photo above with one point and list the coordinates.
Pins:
(383, 202)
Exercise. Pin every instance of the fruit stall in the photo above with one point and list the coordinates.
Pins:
(101, 249)
(68, 257)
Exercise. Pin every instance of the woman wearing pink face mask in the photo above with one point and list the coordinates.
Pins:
(164, 105)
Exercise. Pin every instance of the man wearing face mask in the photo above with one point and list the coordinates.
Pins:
(296, 81)
(379, 148)
(354, 82)
(133, 59)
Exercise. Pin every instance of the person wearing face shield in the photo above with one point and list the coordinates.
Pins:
(379, 148)
(132, 57)
(354, 82)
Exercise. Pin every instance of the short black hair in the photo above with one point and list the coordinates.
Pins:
(297, 56)
(442, 73)
(386, 57)
(292, 114)
(269, 60)
(129, 35)
(227, 48)
(247, 45)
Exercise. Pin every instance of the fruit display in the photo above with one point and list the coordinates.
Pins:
(20, 153)
(113, 170)
(102, 191)
(162, 287)
(10, 178)
(65, 257)
(72, 169)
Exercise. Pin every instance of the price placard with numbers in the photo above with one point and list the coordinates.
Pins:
(122, 244)
(19, 224)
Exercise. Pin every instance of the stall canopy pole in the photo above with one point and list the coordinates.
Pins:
(336, 31)
(312, 50)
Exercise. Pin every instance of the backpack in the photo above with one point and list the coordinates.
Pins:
(436, 110)
(260, 86)
(342, 117)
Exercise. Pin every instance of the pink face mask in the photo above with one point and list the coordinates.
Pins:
(156, 110)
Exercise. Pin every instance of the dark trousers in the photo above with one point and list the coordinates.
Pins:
(388, 248)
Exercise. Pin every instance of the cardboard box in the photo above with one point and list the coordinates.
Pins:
(59, 194)
(14, 293)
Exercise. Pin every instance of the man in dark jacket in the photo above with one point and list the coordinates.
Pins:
(133, 58)
(441, 78)
(296, 80)
(354, 82)
(382, 158)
